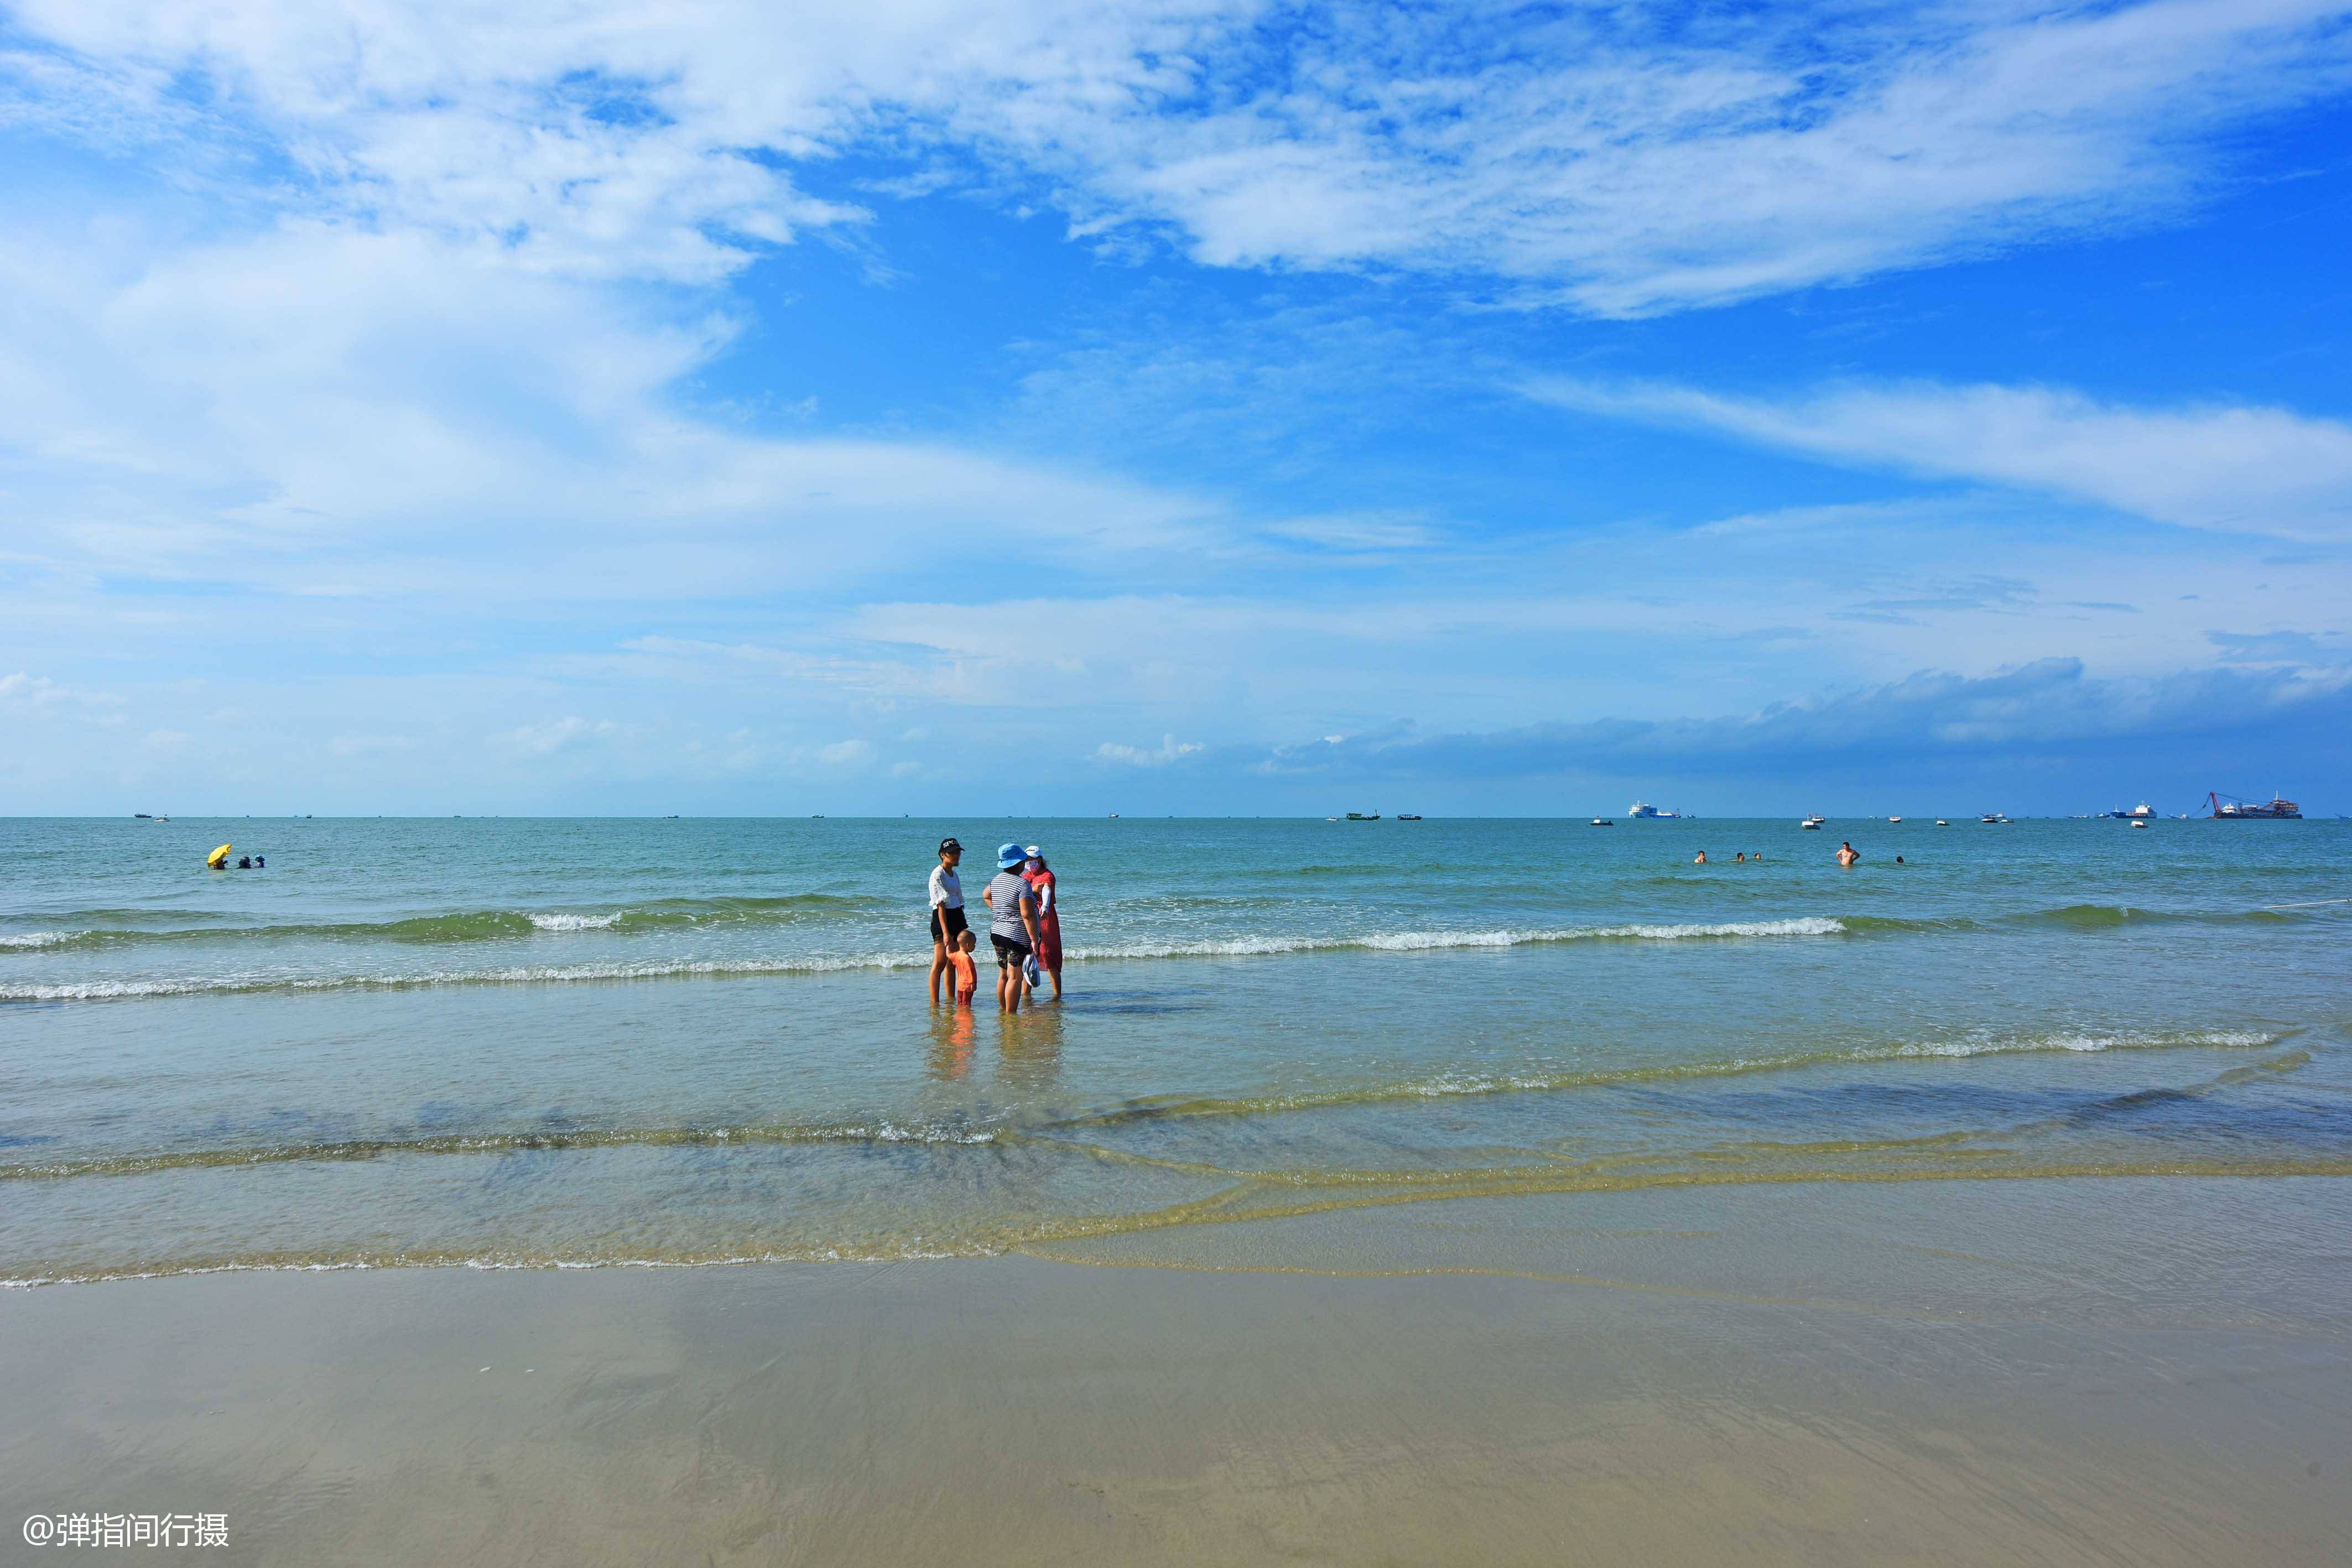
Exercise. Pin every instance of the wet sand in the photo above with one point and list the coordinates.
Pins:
(1022, 1410)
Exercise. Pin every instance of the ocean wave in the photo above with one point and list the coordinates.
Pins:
(517, 975)
(881, 1130)
(465, 925)
(656, 968)
(1451, 1085)
(1419, 941)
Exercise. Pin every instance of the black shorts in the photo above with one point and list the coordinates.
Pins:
(953, 921)
(1010, 955)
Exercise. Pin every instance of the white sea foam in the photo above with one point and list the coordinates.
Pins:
(656, 968)
(1422, 941)
(575, 922)
(38, 939)
(2211, 1039)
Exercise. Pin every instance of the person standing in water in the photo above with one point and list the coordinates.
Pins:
(947, 911)
(1037, 874)
(1847, 854)
(1013, 924)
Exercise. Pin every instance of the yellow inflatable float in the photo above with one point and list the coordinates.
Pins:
(214, 860)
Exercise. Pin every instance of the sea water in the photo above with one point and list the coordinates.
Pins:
(550, 1043)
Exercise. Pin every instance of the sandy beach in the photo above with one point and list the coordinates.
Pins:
(1663, 1408)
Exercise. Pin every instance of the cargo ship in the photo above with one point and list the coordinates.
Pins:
(1642, 812)
(2228, 809)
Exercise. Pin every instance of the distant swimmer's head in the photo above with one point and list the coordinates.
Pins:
(1009, 856)
(950, 851)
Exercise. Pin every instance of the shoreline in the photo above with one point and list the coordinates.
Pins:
(1699, 1409)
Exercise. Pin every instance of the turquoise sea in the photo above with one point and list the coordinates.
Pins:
(543, 1042)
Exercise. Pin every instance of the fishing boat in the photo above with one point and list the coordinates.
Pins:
(1603, 822)
(1894, 818)
(1993, 819)
(2229, 809)
(1815, 820)
(1642, 812)
(1364, 816)
(1941, 823)
(1408, 816)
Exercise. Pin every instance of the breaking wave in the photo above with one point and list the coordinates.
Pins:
(656, 968)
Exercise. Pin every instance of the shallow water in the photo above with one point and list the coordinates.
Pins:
(541, 1042)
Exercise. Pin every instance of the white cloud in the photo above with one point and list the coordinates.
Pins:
(1606, 156)
(1170, 750)
(2247, 470)
(317, 403)
(844, 753)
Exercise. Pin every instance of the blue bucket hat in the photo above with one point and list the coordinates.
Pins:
(1010, 855)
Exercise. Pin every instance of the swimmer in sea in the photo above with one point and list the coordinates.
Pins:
(1700, 859)
(1739, 859)
(1847, 854)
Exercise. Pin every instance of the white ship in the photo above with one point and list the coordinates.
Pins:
(1641, 810)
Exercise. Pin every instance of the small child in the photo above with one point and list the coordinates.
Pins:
(967, 977)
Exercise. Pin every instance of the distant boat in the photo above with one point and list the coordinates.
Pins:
(1894, 818)
(2278, 808)
(1941, 823)
(1815, 820)
(2137, 823)
(1408, 816)
(1603, 822)
(144, 816)
(1364, 816)
(1995, 818)
(1642, 812)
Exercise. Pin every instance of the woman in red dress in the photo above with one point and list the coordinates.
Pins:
(1049, 917)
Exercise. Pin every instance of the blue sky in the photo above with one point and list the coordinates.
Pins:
(1212, 407)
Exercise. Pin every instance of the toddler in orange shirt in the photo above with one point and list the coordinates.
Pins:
(967, 977)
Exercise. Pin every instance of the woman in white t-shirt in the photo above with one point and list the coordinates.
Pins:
(947, 911)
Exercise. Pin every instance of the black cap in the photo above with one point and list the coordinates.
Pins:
(946, 844)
